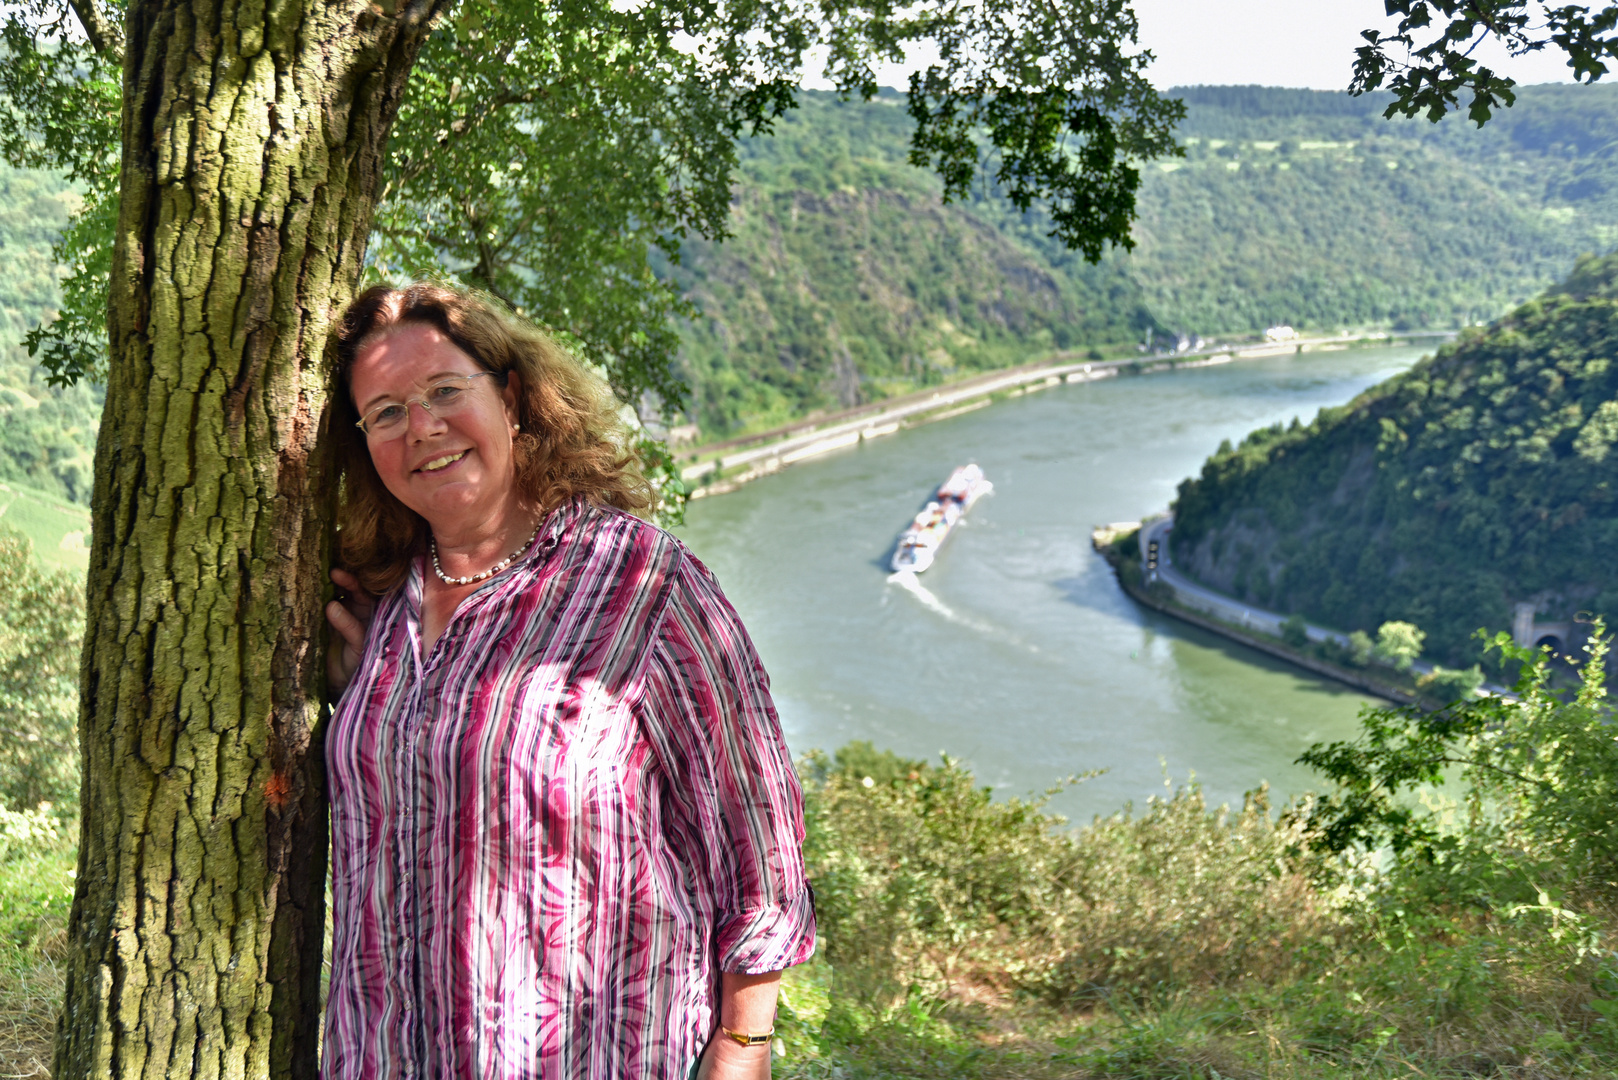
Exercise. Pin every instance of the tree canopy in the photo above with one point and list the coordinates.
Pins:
(1428, 62)
(544, 147)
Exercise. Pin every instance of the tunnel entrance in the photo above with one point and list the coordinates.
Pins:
(1550, 641)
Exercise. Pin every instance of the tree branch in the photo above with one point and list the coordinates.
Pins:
(104, 37)
(459, 129)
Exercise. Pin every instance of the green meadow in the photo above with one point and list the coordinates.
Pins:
(58, 529)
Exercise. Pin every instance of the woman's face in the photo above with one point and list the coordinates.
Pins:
(455, 470)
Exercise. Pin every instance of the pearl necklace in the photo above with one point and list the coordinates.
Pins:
(472, 579)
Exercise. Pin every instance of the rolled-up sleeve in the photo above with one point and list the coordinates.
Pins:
(735, 809)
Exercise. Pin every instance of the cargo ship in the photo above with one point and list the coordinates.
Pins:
(919, 543)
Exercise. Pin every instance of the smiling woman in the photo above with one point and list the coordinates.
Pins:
(566, 829)
(563, 435)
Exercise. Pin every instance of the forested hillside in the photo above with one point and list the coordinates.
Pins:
(848, 280)
(47, 435)
(1344, 219)
(1483, 477)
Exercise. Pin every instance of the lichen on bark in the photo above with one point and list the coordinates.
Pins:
(252, 155)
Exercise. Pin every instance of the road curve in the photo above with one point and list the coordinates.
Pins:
(1228, 608)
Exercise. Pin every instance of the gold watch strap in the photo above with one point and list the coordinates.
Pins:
(746, 1039)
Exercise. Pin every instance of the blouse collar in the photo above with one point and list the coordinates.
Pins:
(553, 529)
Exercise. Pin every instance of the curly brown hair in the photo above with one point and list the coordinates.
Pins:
(573, 442)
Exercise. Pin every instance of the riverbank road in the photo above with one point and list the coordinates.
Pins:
(1203, 599)
(1198, 597)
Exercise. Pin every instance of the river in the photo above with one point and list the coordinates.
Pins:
(1017, 652)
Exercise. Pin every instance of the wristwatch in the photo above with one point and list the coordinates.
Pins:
(746, 1039)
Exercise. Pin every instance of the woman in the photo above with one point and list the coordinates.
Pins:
(565, 826)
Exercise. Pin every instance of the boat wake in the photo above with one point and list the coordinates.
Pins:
(910, 583)
(907, 580)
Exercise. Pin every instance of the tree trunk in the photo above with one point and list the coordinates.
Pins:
(253, 146)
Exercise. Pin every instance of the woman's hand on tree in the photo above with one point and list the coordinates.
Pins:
(351, 620)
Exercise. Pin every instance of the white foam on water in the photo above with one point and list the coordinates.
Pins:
(910, 583)
(907, 580)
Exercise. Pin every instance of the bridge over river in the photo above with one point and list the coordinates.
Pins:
(1017, 651)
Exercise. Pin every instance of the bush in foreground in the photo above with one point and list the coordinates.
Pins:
(1376, 931)
(966, 937)
(923, 881)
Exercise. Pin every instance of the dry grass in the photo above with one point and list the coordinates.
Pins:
(926, 882)
(32, 979)
(36, 888)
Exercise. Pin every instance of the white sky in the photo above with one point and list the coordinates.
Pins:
(1308, 43)
(1284, 43)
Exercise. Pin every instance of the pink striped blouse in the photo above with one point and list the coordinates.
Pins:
(552, 833)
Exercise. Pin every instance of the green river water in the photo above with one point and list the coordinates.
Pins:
(1017, 651)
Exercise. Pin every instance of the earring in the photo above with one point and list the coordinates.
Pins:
(516, 428)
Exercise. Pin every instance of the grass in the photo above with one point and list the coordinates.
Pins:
(60, 530)
(36, 890)
(975, 939)
(1426, 1012)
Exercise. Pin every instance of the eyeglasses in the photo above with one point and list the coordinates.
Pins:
(444, 398)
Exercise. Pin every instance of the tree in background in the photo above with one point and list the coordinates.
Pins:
(1398, 644)
(1361, 648)
(39, 674)
(1451, 684)
(60, 96)
(1294, 631)
(252, 151)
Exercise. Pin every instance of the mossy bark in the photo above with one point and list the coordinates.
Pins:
(253, 144)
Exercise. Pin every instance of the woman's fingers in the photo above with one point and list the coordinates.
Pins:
(360, 602)
(351, 618)
(347, 624)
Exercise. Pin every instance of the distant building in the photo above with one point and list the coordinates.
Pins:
(1280, 333)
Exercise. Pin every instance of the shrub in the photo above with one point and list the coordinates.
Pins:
(41, 627)
(923, 881)
(1540, 775)
(1360, 648)
(28, 832)
(1448, 684)
(1295, 632)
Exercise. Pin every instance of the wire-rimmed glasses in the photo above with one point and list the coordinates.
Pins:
(444, 398)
